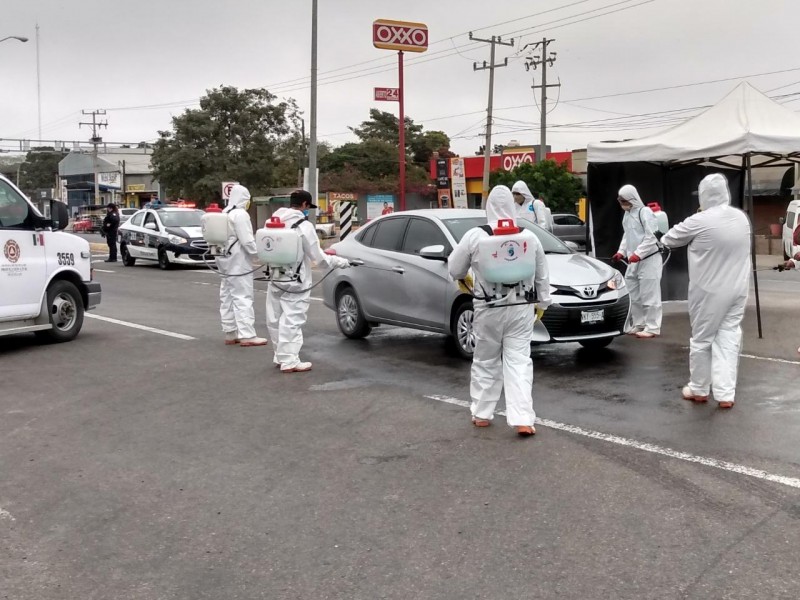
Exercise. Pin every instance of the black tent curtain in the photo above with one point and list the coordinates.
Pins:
(674, 186)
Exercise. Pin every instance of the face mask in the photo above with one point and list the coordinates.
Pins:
(305, 211)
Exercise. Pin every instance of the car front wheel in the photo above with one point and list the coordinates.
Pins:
(163, 260)
(65, 308)
(349, 316)
(127, 259)
(463, 336)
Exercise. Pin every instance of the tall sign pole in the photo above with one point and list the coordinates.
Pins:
(402, 36)
(312, 146)
(532, 62)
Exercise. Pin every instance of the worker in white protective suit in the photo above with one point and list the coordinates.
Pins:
(793, 263)
(719, 277)
(643, 276)
(502, 356)
(237, 266)
(287, 303)
(528, 207)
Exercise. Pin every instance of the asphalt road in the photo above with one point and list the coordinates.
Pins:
(140, 465)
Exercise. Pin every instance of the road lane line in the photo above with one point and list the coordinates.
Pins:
(180, 336)
(723, 465)
(104, 271)
(767, 358)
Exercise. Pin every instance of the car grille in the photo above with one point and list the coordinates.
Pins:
(200, 244)
(563, 321)
(568, 290)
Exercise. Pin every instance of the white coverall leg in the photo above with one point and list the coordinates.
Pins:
(644, 285)
(715, 344)
(236, 300)
(503, 353)
(286, 315)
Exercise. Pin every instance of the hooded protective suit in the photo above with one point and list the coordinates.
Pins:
(532, 209)
(287, 309)
(719, 278)
(236, 293)
(502, 335)
(643, 278)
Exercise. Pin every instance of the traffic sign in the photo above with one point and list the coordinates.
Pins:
(403, 36)
(387, 94)
(227, 186)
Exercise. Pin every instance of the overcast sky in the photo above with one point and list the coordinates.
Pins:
(126, 56)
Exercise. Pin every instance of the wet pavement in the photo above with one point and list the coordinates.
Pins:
(137, 464)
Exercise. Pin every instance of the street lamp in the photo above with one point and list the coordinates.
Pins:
(15, 37)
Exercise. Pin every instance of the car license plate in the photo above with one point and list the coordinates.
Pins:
(592, 316)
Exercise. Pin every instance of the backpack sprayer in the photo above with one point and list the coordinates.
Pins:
(508, 261)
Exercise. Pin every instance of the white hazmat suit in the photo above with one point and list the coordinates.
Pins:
(532, 209)
(287, 303)
(719, 279)
(642, 278)
(236, 293)
(502, 356)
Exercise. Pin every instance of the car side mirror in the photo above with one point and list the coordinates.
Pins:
(151, 226)
(782, 221)
(571, 245)
(436, 252)
(59, 215)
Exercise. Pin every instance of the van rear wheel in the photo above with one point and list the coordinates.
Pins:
(65, 308)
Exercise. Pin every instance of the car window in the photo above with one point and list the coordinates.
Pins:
(181, 218)
(13, 207)
(389, 233)
(572, 220)
(150, 218)
(365, 235)
(137, 219)
(421, 233)
(550, 243)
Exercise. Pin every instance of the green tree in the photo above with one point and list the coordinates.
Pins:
(560, 188)
(40, 168)
(235, 135)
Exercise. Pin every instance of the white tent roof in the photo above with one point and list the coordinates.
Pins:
(744, 121)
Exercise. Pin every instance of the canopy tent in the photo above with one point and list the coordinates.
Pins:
(745, 130)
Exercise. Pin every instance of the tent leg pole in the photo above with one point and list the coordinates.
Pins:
(753, 241)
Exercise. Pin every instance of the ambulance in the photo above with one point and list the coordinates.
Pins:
(45, 274)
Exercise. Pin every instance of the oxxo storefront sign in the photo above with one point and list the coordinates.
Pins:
(512, 161)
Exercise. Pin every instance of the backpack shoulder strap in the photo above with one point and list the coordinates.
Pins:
(487, 228)
(298, 223)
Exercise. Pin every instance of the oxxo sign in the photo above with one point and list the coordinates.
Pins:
(512, 161)
(402, 36)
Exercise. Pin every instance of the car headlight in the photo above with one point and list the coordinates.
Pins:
(617, 282)
(177, 240)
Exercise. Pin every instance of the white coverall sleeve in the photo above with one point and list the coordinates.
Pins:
(649, 243)
(541, 280)
(243, 228)
(460, 260)
(681, 234)
(313, 250)
(623, 246)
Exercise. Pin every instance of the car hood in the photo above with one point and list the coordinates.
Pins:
(577, 269)
(189, 233)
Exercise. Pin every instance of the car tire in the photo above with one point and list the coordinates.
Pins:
(65, 310)
(462, 339)
(127, 259)
(596, 344)
(349, 316)
(163, 261)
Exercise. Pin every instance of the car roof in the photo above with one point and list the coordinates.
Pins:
(175, 208)
(441, 213)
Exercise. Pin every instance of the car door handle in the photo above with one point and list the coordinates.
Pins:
(399, 270)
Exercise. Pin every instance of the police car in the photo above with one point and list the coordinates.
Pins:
(45, 274)
(143, 236)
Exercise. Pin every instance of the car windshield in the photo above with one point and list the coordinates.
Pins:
(181, 218)
(550, 243)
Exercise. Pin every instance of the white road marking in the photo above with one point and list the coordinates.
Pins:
(767, 358)
(104, 271)
(793, 482)
(4, 514)
(180, 336)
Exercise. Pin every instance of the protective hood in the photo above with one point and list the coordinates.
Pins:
(239, 198)
(714, 191)
(500, 205)
(629, 193)
(522, 188)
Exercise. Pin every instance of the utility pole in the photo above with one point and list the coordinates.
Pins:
(494, 41)
(532, 62)
(312, 146)
(95, 139)
(38, 82)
